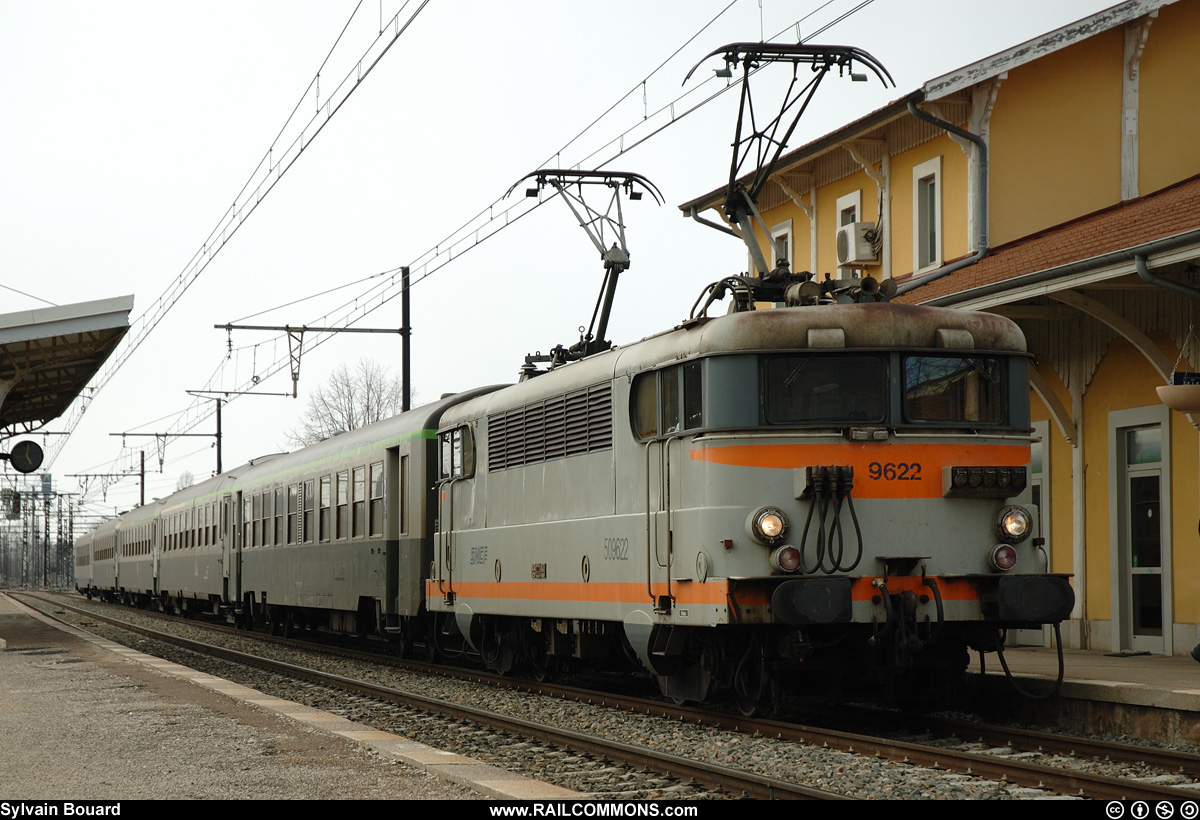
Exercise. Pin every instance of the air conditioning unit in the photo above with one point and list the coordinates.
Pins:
(855, 245)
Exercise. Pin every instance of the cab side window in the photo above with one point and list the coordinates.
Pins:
(456, 453)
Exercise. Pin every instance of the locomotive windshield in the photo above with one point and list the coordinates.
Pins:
(952, 389)
(884, 388)
(805, 388)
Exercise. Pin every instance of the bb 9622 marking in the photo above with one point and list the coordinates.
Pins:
(899, 471)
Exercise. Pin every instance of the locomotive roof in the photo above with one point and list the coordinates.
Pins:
(878, 325)
(868, 325)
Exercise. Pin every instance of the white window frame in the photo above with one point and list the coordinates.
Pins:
(845, 203)
(784, 229)
(926, 170)
(1119, 423)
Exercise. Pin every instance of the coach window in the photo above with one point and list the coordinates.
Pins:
(376, 511)
(343, 504)
(293, 513)
(257, 521)
(247, 520)
(360, 502)
(325, 506)
(280, 516)
(308, 502)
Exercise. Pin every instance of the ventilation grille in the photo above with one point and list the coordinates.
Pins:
(579, 422)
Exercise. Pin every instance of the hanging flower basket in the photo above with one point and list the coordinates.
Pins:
(1183, 393)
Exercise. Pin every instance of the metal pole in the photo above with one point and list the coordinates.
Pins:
(218, 436)
(406, 332)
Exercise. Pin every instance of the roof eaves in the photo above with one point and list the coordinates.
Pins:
(812, 150)
(1040, 46)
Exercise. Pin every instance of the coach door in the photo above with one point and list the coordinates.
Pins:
(231, 553)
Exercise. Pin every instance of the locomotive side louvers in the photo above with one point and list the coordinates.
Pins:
(566, 425)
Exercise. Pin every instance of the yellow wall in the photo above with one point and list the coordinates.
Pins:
(1056, 138)
(827, 225)
(954, 201)
(1057, 460)
(800, 234)
(1126, 380)
(1185, 541)
(1168, 112)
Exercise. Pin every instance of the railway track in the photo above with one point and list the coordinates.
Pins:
(1063, 776)
(733, 782)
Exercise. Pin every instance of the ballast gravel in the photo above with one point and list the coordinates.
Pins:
(827, 769)
(79, 723)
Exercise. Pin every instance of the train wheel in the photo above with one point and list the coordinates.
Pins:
(751, 681)
(272, 615)
(545, 669)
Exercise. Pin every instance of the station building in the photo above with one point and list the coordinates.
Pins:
(1071, 204)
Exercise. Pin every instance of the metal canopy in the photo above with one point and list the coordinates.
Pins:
(48, 355)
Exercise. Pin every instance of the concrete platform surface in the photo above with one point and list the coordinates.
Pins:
(83, 718)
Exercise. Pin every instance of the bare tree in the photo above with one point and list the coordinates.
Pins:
(186, 479)
(348, 400)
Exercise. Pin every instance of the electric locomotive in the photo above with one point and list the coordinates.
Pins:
(829, 498)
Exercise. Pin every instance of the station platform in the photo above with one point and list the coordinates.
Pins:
(86, 719)
(83, 718)
(1153, 697)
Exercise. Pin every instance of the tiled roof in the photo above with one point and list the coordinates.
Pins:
(1154, 216)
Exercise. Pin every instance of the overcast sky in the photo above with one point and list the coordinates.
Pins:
(129, 129)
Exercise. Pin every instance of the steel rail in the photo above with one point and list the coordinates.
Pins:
(732, 780)
(1034, 775)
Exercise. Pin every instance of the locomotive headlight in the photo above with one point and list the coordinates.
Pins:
(768, 525)
(1013, 524)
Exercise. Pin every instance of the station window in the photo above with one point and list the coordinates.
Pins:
(782, 235)
(849, 208)
(927, 215)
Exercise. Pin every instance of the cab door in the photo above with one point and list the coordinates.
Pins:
(680, 413)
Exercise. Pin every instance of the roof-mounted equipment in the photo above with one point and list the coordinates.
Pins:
(602, 227)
